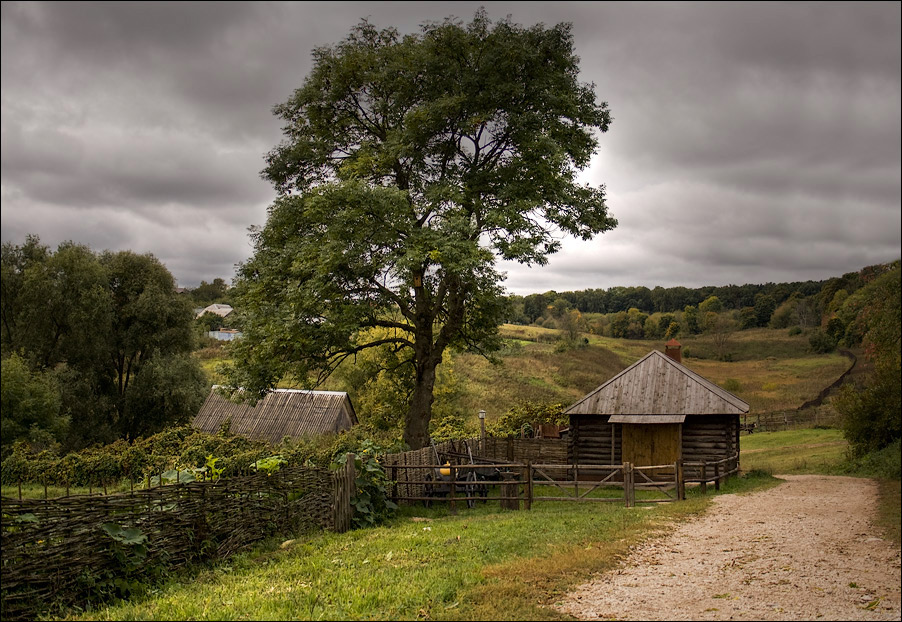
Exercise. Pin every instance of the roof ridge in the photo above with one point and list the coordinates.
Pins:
(723, 394)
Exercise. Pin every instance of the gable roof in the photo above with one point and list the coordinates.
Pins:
(281, 413)
(658, 385)
(217, 308)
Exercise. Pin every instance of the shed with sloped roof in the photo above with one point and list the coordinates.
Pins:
(654, 412)
(282, 412)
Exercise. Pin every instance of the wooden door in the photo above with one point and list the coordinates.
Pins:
(651, 444)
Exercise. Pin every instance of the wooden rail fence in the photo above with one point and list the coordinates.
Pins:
(514, 483)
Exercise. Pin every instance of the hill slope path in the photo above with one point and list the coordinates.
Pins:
(804, 550)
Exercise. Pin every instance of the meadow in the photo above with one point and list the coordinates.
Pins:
(770, 369)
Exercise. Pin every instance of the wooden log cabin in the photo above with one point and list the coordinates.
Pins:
(655, 411)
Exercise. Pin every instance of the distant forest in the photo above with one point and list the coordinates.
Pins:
(528, 309)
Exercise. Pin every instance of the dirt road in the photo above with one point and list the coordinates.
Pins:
(805, 550)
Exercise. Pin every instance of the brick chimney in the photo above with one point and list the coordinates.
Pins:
(672, 349)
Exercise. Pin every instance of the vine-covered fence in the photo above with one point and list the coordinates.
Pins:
(62, 551)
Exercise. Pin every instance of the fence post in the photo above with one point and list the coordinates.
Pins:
(680, 482)
(452, 506)
(528, 501)
(717, 475)
(343, 483)
(626, 484)
(704, 478)
(394, 482)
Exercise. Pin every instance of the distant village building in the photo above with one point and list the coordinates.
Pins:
(225, 334)
(282, 412)
(217, 309)
(655, 411)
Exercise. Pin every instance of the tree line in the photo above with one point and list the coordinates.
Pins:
(95, 346)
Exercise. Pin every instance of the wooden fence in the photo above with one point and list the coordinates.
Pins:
(514, 483)
(57, 551)
(777, 420)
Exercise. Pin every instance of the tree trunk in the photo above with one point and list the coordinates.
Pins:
(416, 424)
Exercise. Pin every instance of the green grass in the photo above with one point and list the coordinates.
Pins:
(794, 451)
(889, 511)
(36, 491)
(467, 566)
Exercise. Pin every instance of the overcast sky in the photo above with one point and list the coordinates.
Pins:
(750, 143)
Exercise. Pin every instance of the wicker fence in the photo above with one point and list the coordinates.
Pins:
(57, 551)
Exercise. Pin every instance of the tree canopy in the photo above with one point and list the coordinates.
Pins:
(107, 332)
(408, 164)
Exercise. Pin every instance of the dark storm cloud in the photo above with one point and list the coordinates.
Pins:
(751, 141)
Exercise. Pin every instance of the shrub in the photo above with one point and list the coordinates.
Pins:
(370, 500)
(821, 342)
(528, 414)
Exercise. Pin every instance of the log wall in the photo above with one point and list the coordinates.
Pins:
(705, 438)
(594, 441)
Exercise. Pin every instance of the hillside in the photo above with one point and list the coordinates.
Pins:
(769, 369)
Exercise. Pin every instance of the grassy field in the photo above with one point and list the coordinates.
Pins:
(794, 451)
(770, 370)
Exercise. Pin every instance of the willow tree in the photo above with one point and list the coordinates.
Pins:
(408, 165)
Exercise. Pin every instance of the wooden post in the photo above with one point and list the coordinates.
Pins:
(343, 488)
(626, 484)
(717, 476)
(681, 483)
(452, 505)
(394, 483)
(576, 481)
(528, 502)
(704, 478)
(510, 491)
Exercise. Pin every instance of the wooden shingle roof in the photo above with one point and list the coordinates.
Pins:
(658, 385)
(283, 412)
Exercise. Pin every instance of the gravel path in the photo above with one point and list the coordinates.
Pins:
(805, 550)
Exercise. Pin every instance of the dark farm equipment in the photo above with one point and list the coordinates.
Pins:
(470, 481)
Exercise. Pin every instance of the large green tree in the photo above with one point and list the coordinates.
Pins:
(408, 164)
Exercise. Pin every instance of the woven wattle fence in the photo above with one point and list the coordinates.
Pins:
(56, 552)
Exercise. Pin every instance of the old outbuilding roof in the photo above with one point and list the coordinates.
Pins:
(219, 309)
(281, 413)
(658, 385)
